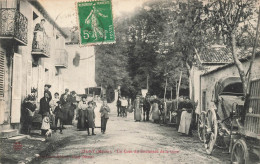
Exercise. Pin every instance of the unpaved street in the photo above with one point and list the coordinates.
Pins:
(124, 137)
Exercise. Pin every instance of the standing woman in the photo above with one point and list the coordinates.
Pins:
(155, 110)
(90, 118)
(65, 105)
(82, 113)
(137, 109)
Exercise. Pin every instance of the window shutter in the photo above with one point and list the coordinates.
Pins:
(29, 76)
(2, 73)
(16, 89)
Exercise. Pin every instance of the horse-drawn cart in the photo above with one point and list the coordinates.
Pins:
(232, 122)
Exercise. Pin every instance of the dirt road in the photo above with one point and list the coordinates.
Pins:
(130, 142)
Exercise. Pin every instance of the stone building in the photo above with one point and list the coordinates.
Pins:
(29, 58)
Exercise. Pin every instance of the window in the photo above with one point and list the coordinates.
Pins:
(2, 73)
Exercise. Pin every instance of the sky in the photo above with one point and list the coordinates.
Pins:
(63, 11)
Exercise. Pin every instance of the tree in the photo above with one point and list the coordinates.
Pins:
(233, 17)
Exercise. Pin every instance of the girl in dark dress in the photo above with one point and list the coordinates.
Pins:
(58, 117)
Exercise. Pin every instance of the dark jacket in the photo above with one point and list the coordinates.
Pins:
(44, 106)
(58, 112)
(118, 103)
(104, 111)
(147, 105)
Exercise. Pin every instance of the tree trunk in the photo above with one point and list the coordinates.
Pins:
(238, 64)
(178, 89)
(165, 89)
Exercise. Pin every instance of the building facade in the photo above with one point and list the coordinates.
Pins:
(209, 79)
(29, 57)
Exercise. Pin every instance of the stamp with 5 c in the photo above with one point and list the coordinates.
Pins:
(95, 20)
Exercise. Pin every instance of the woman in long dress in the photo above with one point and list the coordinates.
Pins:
(82, 114)
(155, 111)
(137, 110)
(90, 117)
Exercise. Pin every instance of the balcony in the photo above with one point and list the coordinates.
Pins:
(61, 59)
(13, 26)
(40, 45)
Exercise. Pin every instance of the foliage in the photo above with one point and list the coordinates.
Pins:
(161, 39)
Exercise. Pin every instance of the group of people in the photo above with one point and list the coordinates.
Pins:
(63, 110)
(152, 107)
(58, 110)
(141, 106)
(86, 115)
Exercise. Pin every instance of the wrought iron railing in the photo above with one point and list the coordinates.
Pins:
(13, 24)
(61, 58)
(41, 44)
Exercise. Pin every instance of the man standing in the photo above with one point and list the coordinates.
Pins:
(146, 108)
(118, 104)
(124, 105)
(44, 110)
(104, 110)
(44, 104)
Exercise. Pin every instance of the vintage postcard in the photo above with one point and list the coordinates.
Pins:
(129, 81)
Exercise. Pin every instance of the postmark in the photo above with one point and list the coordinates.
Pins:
(17, 146)
(95, 21)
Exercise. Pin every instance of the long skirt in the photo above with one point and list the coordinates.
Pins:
(137, 114)
(184, 126)
(82, 125)
(155, 112)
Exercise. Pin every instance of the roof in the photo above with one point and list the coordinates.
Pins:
(244, 56)
(221, 55)
(215, 55)
(45, 14)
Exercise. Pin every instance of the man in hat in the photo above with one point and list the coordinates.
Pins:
(46, 89)
(146, 107)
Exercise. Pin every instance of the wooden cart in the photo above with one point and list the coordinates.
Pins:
(232, 124)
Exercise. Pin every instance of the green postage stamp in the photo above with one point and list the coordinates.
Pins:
(95, 21)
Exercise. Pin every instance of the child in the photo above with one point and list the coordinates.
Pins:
(58, 117)
(90, 117)
(104, 110)
(45, 124)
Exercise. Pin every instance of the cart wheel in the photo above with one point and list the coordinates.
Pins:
(201, 126)
(211, 130)
(239, 154)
